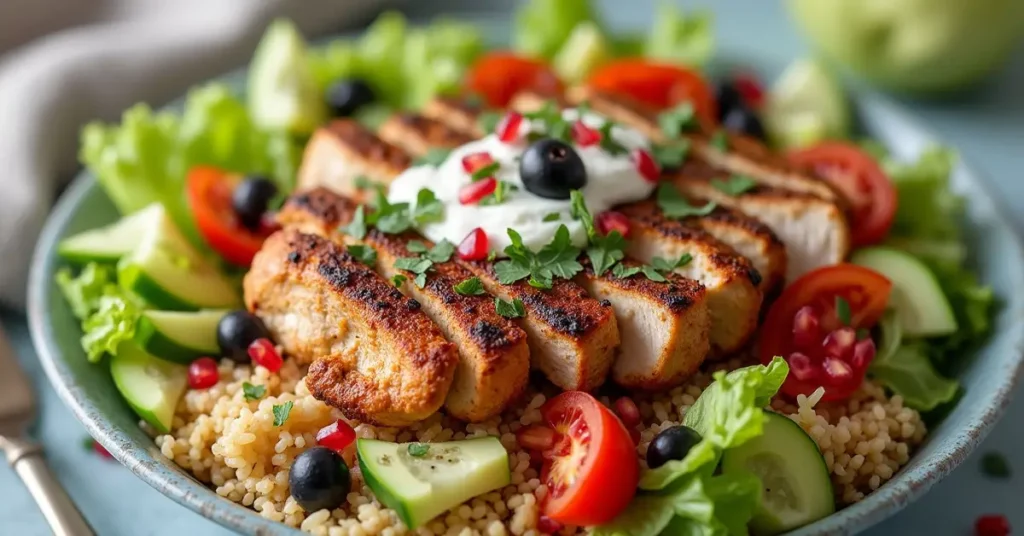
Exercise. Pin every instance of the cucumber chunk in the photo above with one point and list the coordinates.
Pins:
(806, 105)
(178, 336)
(151, 386)
(167, 272)
(797, 487)
(917, 298)
(423, 480)
(110, 243)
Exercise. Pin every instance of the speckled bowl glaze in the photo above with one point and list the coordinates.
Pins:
(989, 379)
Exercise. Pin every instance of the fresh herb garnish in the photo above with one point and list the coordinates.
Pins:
(395, 218)
(253, 392)
(671, 155)
(995, 465)
(604, 250)
(363, 182)
(281, 412)
(675, 121)
(734, 185)
(556, 259)
(674, 206)
(513, 309)
(497, 197)
(488, 121)
(485, 171)
(843, 311)
(441, 252)
(418, 450)
(469, 287)
(608, 142)
(362, 253)
(429, 208)
(425, 260)
(398, 280)
(667, 265)
(652, 273)
(719, 140)
(491, 255)
(622, 271)
(416, 246)
(552, 216)
(357, 227)
(434, 157)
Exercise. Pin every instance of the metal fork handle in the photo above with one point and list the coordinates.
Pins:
(28, 462)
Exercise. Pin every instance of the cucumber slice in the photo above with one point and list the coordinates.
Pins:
(283, 93)
(151, 386)
(421, 485)
(797, 487)
(110, 243)
(167, 272)
(177, 336)
(806, 105)
(917, 298)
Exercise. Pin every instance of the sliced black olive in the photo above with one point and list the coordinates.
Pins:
(743, 120)
(236, 331)
(346, 96)
(671, 444)
(319, 479)
(551, 169)
(251, 198)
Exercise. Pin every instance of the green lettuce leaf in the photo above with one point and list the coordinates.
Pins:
(904, 368)
(542, 26)
(83, 292)
(108, 314)
(679, 37)
(928, 208)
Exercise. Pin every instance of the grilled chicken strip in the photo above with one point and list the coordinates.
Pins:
(457, 113)
(376, 356)
(343, 151)
(494, 360)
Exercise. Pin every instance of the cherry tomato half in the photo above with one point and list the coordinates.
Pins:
(658, 85)
(499, 76)
(592, 471)
(209, 196)
(860, 179)
(807, 326)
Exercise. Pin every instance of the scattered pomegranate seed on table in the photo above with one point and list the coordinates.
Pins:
(992, 525)
(202, 373)
(263, 353)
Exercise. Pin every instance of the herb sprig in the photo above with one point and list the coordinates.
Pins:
(557, 259)
(734, 185)
(675, 206)
(424, 262)
(395, 218)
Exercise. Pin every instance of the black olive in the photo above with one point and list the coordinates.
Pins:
(743, 120)
(551, 169)
(671, 444)
(236, 331)
(251, 198)
(319, 479)
(348, 95)
(727, 97)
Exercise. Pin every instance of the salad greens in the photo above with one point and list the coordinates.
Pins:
(543, 26)
(108, 313)
(686, 496)
(282, 93)
(679, 37)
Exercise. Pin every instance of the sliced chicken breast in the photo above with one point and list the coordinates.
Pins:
(430, 133)
(457, 113)
(342, 152)
(494, 360)
(376, 356)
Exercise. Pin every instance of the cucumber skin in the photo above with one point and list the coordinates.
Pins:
(383, 493)
(139, 282)
(145, 414)
(158, 345)
(75, 256)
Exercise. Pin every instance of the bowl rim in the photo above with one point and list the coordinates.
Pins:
(164, 475)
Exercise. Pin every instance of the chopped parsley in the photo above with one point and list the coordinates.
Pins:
(995, 465)
(675, 206)
(604, 250)
(425, 260)
(253, 392)
(357, 227)
(485, 171)
(667, 265)
(418, 450)
(622, 271)
(513, 309)
(281, 412)
(675, 121)
(671, 155)
(608, 142)
(434, 157)
(719, 140)
(497, 197)
(363, 182)
(555, 126)
(552, 216)
(488, 121)
(398, 280)
(469, 287)
(734, 185)
(395, 218)
(363, 254)
(429, 208)
(652, 273)
(843, 311)
(556, 259)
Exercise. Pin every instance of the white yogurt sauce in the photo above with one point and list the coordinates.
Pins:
(611, 180)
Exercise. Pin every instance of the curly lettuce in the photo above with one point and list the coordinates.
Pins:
(108, 313)
(678, 37)
(542, 26)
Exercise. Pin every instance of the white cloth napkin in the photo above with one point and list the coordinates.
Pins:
(116, 53)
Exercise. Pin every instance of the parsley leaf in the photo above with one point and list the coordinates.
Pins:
(395, 218)
(416, 246)
(362, 253)
(428, 207)
(672, 155)
(606, 251)
(675, 206)
(556, 259)
(416, 265)
(609, 143)
(253, 392)
(357, 227)
(734, 185)
(281, 412)
(497, 197)
(363, 182)
(653, 274)
(560, 255)
(719, 140)
(441, 252)
(513, 309)
(434, 157)
(398, 279)
(509, 272)
(424, 261)
(843, 311)
(552, 216)
(666, 265)
(675, 121)
(488, 121)
(420, 280)
(418, 450)
(469, 287)
(622, 271)
(485, 171)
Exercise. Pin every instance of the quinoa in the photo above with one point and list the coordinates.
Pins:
(232, 445)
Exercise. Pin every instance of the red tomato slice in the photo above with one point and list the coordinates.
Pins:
(802, 320)
(499, 76)
(593, 471)
(209, 196)
(658, 85)
(861, 180)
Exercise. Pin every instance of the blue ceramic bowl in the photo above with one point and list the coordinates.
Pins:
(989, 380)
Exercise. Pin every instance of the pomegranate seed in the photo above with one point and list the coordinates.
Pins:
(585, 136)
(863, 353)
(474, 247)
(202, 373)
(750, 89)
(546, 525)
(992, 525)
(627, 411)
(263, 353)
(336, 436)
(98, 449)
(802, 367)
(536, 437)
(475, 191)
(806, 328)
(508, 128)
(645, 165)
(837, 370)
(840, 343)
(474, 161)
(611, 220)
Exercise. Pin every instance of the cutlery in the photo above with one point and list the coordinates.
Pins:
(17, 411)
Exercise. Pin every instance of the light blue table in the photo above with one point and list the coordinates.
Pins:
(988, 126)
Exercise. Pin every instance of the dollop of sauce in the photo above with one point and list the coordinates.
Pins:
(611, 180)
